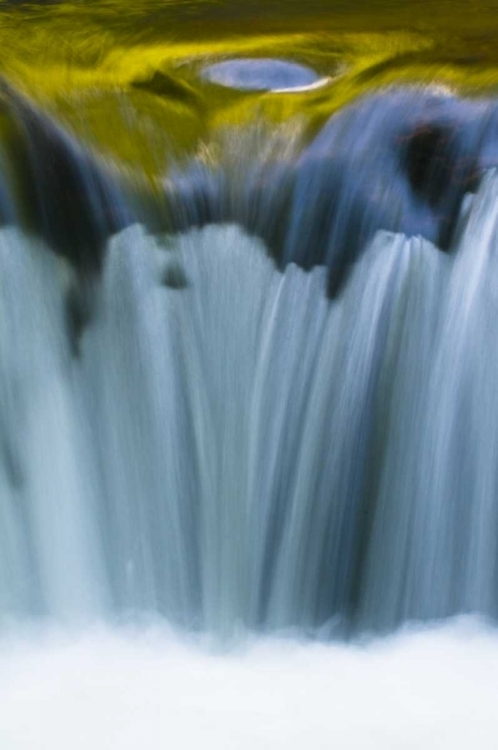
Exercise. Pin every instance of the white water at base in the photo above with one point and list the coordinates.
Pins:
(102, 688)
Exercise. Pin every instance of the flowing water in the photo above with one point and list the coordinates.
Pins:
(200, 425)
(249, 418)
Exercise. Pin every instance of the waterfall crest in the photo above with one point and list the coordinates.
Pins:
(214, 436)
(243, 450)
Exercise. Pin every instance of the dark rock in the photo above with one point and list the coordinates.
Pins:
(401, 161)
(174, 277)
(68, 199)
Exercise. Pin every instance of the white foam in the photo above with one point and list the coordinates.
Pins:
(105, 688)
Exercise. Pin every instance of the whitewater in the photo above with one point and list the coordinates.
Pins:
(150, 687)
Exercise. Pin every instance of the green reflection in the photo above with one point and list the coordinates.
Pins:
(124, 76)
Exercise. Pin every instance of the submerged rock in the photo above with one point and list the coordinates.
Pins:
(65, 196)
(400, 161)
(174, 277)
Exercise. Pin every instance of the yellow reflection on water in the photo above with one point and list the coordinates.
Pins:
(124, 76)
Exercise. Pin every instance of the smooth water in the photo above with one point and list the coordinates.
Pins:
(230, 448)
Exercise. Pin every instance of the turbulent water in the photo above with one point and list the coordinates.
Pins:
(100, 688)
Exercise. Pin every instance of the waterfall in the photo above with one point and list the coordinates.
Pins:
(199, 424)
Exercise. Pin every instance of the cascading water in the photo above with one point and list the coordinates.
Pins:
(251, 408)
(228, 441)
